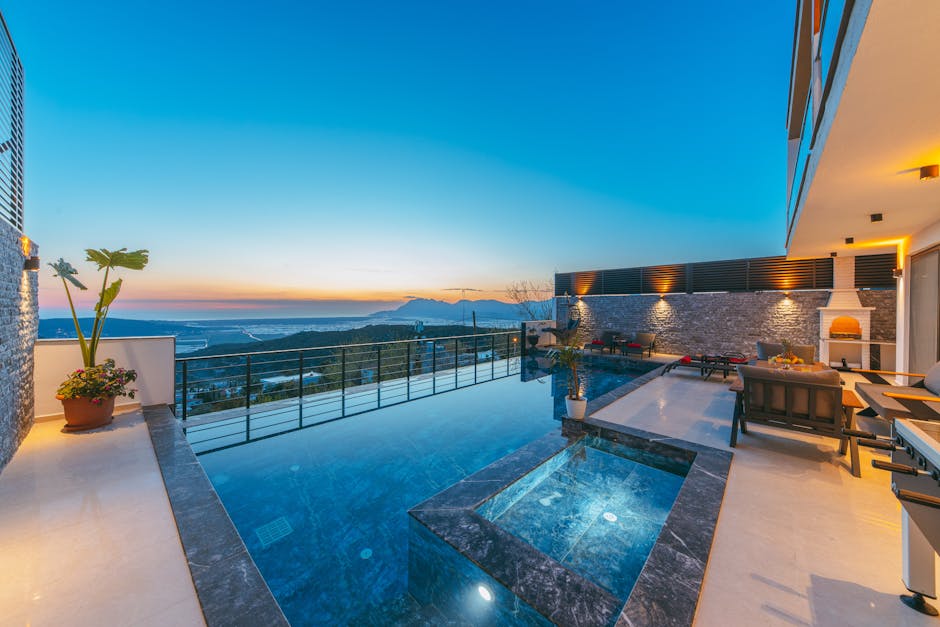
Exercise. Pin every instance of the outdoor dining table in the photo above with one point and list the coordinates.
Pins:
(850, 401)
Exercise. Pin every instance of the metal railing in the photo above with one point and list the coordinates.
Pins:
(226, 400)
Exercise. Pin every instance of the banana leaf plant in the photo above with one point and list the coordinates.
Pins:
(106, 260)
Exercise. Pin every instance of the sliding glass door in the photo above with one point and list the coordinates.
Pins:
(925, 310)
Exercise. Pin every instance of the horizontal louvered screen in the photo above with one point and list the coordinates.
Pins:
(737, 275)
(622, 281)
(11, 132)
(720, 276)
(663, 279)
(875, 271)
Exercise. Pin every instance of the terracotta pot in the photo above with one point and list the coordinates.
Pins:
(81, 414)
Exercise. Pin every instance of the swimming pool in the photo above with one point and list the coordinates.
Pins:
(323, 511)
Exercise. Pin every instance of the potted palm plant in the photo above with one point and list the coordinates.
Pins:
(88, 393)
(569, 357)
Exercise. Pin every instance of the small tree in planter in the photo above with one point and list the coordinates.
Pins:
(88, 394)
(570, 357)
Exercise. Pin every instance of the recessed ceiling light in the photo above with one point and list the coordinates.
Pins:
(876, 217)
(849, 240)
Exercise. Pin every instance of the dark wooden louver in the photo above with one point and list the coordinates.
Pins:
(875, 271)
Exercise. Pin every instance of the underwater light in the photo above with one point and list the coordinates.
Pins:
(485, 593)
(610, 517)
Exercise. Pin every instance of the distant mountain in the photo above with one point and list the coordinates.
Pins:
(429, 308)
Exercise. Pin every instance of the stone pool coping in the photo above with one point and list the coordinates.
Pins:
(230, 588)
(668, 587)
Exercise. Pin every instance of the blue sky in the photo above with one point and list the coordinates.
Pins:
(330, 158)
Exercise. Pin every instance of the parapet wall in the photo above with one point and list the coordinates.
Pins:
(719, 322)
(19, 320)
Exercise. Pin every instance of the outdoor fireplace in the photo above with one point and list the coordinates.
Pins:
(845, 328)
(844, 325)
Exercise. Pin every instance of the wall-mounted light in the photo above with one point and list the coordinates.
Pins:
(786, 294)
(662, 297)
(897, 273)
(31, 264)
(928, 172)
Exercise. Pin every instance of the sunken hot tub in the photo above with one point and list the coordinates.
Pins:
(599, 525)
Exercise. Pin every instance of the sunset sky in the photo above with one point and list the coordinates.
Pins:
(286, 158)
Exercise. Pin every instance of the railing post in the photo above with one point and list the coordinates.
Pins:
(492, 357)
(408, 372)
(185, 389)
(378, 375)
(434, 367)
(342, 385)
(475, 358)
(456, 379)
(247, 381)
(300, 394)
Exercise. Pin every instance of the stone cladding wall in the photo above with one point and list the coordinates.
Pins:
(884, 317)
(19, 321)
(719, 322)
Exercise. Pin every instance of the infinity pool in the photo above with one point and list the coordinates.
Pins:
(323, 511)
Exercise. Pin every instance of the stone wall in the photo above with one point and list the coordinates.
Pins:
(19, 320)
(884, 317)
(718, 322)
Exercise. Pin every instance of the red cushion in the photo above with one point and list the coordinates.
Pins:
(598, 342)
(685, 360)
(634, 345)
(738, 360)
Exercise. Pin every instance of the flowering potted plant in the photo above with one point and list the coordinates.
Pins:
(88, 394)
(90, 391)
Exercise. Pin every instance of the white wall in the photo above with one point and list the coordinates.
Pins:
(152, 358)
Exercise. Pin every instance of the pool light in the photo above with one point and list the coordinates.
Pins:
(610, 517)
(485, 593)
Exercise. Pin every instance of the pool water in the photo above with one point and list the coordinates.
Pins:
(323, 511)
(597, 508)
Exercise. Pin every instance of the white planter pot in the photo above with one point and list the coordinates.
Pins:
(575, 409)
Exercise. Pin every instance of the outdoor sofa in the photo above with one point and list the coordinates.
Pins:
(641, 343)
(808, 402)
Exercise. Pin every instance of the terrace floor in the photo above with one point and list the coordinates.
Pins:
(86, 532)
(799, 540)
(87, 535)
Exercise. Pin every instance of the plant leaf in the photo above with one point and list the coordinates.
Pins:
(64, 270)
(108, 296)
(104, 258)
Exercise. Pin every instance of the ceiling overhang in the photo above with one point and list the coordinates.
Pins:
(886, 127)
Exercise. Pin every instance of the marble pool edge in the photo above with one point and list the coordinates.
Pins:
(668, 587)
(230, 588)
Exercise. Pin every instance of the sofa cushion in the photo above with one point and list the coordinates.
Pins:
(634, 345)
(932, 380)
(766, 350)
(685, 360)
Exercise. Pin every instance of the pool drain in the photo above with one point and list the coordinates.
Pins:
(365, 553)
(273, 531)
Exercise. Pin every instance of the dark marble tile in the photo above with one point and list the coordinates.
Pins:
(231, 591)
(691, 525)
(463, 494)
(666, 591)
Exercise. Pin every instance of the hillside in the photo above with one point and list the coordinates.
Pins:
(363, 335)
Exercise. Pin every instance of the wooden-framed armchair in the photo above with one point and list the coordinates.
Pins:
(807, 402)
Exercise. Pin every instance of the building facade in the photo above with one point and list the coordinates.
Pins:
(18, 256)
(864, 148)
